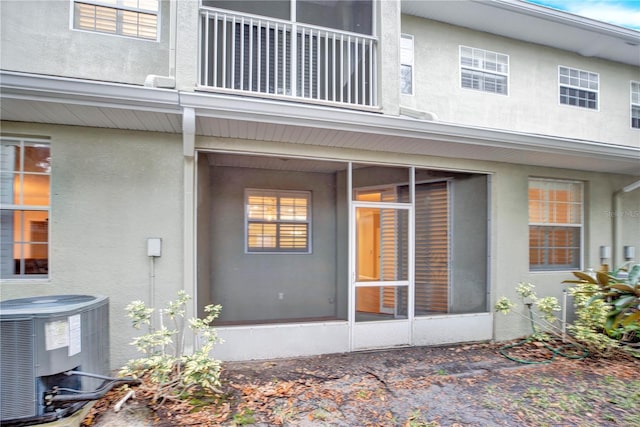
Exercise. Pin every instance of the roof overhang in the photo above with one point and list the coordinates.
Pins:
(39, 99)
(535, 24)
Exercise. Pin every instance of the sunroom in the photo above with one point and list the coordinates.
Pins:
(311, 256)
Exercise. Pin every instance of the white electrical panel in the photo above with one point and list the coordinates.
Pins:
(154, 246)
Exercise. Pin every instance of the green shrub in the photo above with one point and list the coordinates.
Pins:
(166, 369)
(608, 304)
(607, 308)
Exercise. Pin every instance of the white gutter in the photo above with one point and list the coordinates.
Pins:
(268, 111)
(85, 92)
(615, 223)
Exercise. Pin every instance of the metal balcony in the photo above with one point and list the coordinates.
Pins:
(267, 57)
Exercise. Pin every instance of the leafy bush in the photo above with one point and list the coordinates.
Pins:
(607, 310)
(609, 304)
(166, 370)
(545, 308)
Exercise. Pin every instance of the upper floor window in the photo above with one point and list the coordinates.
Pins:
(635, 105)
(484, 70)
(406, 64)
(277, 221)
(555, 224)
(25, 170)
(578, 87)
(132, 18)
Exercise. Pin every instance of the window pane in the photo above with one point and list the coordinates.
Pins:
(635, 93)
(9, 157)
(293, 209)
(293, 236)
(382, 246)
(273, 8)
(25, 236)
(263, 207)
(554, 248)
(406, 79)
(105, 19)
(262, 236)
(37, 159)
(375, 303)
(635, 116)
(349, 15)
(384, 178)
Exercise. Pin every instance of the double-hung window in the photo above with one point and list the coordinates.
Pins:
(484, 70)
(578, 87)
(25, 170)
(406, 64)
(278, 221)
(635, 105)
(131, 18)
(555, 224)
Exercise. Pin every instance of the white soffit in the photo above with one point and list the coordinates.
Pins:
(265, 120)
(38, 99)
(535, 24)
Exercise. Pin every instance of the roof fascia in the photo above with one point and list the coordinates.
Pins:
(566, 18)
(86, 92)
(267, 111)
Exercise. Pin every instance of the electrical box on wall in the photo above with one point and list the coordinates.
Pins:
(154, 246)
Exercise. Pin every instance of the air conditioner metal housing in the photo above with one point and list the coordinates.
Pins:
(41, 339)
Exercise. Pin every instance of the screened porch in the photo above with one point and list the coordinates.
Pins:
(289, 240)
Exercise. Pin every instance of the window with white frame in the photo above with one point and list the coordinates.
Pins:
(578, 87)
(635, 105)
(131, 18)
(406, 64)
(278, 221)
(25, 170)
(484, 70)
(555, 224)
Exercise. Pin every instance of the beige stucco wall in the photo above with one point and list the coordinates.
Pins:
(37, 38)
(110, 191)
(532, 104)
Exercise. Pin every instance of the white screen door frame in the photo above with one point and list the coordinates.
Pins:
(382, 274)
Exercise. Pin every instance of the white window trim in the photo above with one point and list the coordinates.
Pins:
(117, 7)
(410, 64)
(309, 222)
(581, 226)
(483, 70)
(597, 91)
(31, 278)
(633, 104)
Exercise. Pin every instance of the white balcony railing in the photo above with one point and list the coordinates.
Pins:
(247, 53)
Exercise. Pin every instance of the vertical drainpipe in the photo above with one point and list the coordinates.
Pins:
(188, 232)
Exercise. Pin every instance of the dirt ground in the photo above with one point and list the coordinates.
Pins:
(465, 385)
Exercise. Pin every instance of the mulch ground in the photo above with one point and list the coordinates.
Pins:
(465, 385)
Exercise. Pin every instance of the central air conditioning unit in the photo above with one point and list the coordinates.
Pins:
(44, 340)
